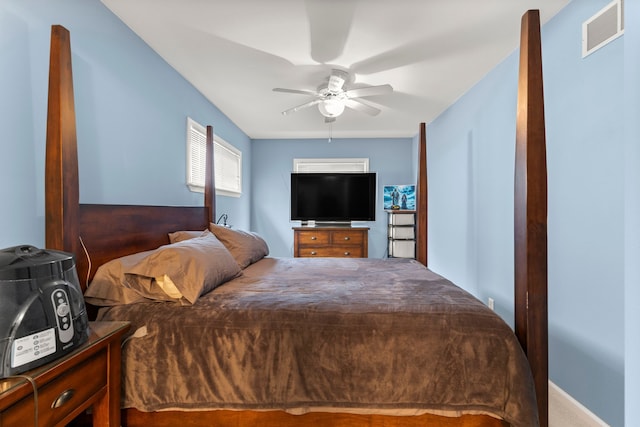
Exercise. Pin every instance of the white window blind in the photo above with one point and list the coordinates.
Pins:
(227, 158)
(228, 168)
(196, 151)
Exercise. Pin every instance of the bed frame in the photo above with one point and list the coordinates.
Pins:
(79, 229)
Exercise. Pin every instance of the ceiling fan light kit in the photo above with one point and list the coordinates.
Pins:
(332, 98)
(331, 107)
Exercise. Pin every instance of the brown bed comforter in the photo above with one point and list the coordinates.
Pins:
(302, 334)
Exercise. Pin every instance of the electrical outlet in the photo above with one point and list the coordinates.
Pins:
(491, 303)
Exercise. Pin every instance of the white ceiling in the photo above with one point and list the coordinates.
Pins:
(236, 51)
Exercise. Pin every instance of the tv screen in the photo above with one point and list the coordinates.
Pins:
(333, 197)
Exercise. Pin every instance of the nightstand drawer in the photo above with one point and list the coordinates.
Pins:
(62, 395)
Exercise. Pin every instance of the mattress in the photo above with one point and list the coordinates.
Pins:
(328, 334)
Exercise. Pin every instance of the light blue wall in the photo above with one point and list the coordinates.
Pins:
(632, 212)
(470, 165)
(471, 157)
(586, 214)
(392, 159)
(131, 111)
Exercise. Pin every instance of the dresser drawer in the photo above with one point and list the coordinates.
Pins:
(62, 395)
(348, 237)
(313, 237)
(332, 251)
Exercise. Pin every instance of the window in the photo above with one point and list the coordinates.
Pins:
(331, 165)
(227, 158)
(196, 147)
(228, 168)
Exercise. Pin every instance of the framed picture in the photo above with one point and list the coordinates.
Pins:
(400, 197)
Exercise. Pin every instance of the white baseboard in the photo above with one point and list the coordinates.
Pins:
(565, 411)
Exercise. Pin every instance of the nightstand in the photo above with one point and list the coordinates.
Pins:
(87, 377)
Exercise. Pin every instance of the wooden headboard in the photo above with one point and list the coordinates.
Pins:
(104, 232)
(111, 231)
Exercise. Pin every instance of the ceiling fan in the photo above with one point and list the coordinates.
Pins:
(332, 97)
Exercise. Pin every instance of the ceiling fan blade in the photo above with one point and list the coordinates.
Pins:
(301, 106)
(358, 105)
(369, 91)
(329, 27)
(298, 91)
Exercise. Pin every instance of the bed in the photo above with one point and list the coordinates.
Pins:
(365, 342)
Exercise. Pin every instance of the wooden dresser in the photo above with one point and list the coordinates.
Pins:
(87, 377)
(335, 242)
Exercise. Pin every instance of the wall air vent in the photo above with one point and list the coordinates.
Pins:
(603, 27)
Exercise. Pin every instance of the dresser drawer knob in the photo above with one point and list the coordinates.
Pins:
(64, 397)
(314, 253)
(347, 253)
(314, 238)
(346, 238)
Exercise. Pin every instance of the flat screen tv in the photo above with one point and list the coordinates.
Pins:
(339, 197)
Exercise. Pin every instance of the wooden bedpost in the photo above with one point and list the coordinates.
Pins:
(422, 202)
(210, 179)
(61, 165)
(530, 214)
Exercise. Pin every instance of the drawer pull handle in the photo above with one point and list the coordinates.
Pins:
(314, 253)
(64, 397)
(347, 253)
(314, 238)
(346, 238)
